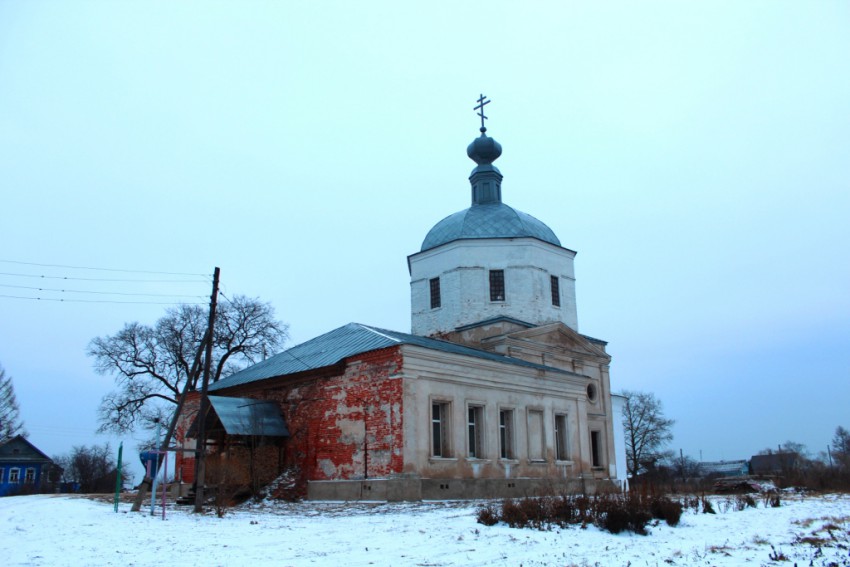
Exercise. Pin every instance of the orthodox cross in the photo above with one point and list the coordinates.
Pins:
(481, 102)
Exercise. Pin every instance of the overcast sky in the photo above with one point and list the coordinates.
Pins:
(696, 155)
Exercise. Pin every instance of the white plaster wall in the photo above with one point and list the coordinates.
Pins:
(463, 267)
(617, 403)
(432, 376)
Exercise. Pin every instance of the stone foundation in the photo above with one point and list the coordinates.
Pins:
(413, 489)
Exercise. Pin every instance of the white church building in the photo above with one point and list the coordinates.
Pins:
(493, 393)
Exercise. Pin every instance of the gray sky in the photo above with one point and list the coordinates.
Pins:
(694, 154)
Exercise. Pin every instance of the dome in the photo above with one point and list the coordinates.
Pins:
(495, 220)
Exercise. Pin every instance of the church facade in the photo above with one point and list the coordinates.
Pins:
(494, 392)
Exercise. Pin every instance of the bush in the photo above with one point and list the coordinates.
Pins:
(664, 508)
(612, 512)
(488, 515)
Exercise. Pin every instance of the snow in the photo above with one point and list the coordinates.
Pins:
(73, 530)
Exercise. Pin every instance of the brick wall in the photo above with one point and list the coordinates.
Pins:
(342, 427)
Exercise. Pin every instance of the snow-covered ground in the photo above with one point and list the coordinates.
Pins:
(73, 530)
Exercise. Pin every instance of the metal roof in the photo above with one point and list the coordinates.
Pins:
(493, 220)
(247, 416)
(349, 340)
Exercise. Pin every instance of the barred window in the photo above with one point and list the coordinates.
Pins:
(435, 293)
(556, 291)
(497, 285)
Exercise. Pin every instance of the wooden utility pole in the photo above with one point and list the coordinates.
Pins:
(200, 469)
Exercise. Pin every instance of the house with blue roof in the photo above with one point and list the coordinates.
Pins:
(493, 393)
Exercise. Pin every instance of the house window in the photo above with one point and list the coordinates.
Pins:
(2, 471)
(435, 293)
(440, 412)
(475, 430)
(595, 449)
(561, 453)
(14, 476)
(536, 441)
(497, 285)
(29, 476)
(556, 291)
(506, 434)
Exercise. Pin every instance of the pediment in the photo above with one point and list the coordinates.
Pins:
(559, 337)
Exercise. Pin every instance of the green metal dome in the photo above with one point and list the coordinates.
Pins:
(493, 220)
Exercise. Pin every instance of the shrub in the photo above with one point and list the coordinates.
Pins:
(612, 512)
(707, 506)
(488, 515)
(664, 508)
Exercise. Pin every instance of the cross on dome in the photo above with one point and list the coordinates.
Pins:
(481, 102)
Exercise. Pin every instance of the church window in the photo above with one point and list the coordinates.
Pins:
(561, 453)
(475, 430)
(435, 293)
(29, 477)
(556, 291)
(536, 441)
(506, 434)
(595, 449)
(497, 285)
(591, 392)
(440, 412)
(14, 476)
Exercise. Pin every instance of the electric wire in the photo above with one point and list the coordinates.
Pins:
(102, 292)
(64, 300)
(103, 269)
(132, 280)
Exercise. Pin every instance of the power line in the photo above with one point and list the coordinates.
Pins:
(134, 280)
(62, 300)
(103, 269)
(102, 292)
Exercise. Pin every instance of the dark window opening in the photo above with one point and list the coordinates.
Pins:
(435, 293)
(595, 454)
(561, 438)
(556, 291)
(475, 419)
(506, 434)
(440, 429)
(497, 285)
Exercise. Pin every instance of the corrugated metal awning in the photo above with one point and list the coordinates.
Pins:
(246, 416)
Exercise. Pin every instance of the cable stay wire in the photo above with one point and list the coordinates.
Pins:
(64, 300)
(132, 280)
(105, 269)
(103, 292)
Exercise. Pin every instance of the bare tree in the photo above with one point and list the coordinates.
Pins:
(10, 413)
(647, 431)
(151, 365)
(91, 469)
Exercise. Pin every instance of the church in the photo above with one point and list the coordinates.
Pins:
(493, 393)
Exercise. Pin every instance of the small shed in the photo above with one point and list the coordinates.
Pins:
(245, 440)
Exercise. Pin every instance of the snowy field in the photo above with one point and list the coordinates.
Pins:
(73, 530)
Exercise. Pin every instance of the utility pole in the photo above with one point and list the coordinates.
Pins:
(200, 469)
